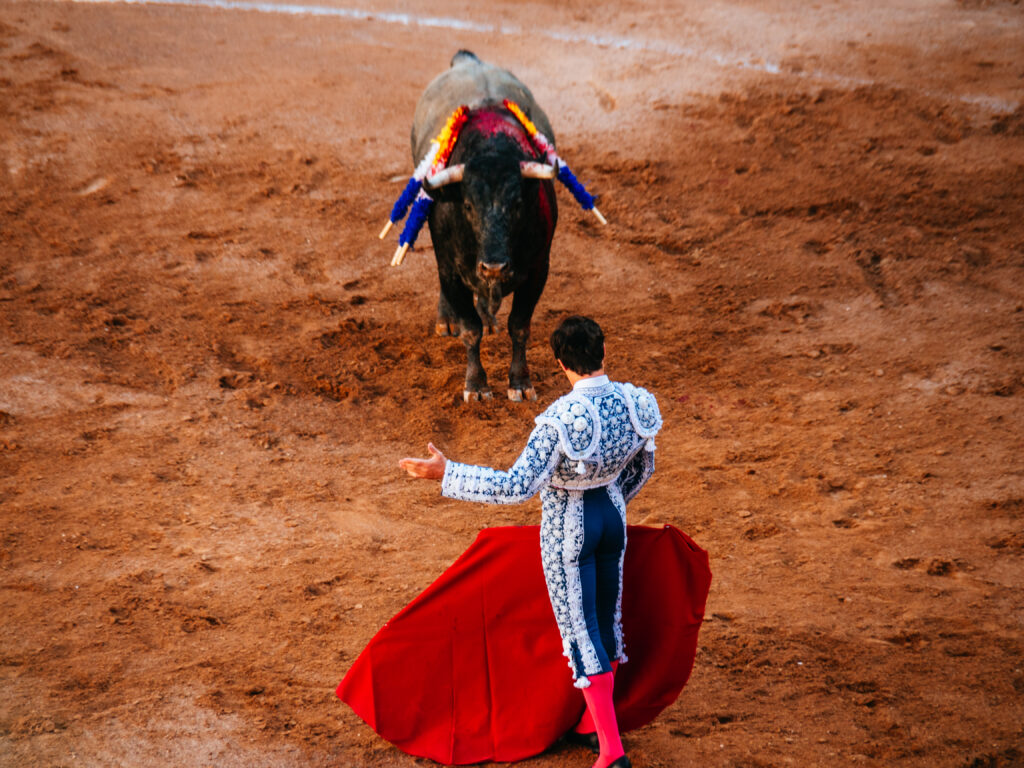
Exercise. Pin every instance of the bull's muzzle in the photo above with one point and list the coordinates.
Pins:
(491, 272)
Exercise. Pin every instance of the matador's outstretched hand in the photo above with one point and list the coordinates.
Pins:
(428, 469)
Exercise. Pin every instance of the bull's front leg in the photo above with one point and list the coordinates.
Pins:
(524, 302)
(519, 385)
(476, 378)
(460, 300)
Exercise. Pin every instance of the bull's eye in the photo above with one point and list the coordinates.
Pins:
(467, 206)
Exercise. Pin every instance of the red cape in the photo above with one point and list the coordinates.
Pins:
(472, 669)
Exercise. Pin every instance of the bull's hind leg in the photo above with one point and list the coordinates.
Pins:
(447, 323)
(487, 308)
(523, 304)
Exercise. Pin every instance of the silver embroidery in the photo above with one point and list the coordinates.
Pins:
(604, 431)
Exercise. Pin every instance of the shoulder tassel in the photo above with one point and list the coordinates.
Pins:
(649, 447)
(581, 468)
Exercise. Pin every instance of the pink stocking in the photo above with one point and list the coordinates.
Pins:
(586, 723)
(599, 703)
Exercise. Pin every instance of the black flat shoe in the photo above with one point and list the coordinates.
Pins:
(588, 740)
(622, 762)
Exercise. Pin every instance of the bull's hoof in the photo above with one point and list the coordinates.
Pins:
(490, 328)
(475, 396)
(518, 395)
(446, 329)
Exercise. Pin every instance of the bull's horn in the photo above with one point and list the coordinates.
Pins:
(537, 170)
(442, 178)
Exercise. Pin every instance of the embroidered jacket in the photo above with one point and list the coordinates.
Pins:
(600, 434)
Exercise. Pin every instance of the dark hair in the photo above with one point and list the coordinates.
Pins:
(579, 343)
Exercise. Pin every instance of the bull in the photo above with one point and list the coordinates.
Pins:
(494, 213)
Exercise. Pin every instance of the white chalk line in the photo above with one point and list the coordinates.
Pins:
(614, 42)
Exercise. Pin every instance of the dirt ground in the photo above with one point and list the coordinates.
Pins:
(208, 371)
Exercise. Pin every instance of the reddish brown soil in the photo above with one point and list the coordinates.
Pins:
(208, 371)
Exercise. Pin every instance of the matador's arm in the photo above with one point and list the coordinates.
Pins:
(522, 480)
(638, 470)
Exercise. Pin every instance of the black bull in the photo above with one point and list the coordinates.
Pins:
(491, 228)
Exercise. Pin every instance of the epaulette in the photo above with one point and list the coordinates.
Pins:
(578, 425)
(643, 412)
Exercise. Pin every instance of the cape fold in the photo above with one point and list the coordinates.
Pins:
(472, 669)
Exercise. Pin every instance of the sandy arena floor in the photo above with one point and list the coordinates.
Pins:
(208, 370)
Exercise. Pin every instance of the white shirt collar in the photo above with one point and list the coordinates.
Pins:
(593, 381)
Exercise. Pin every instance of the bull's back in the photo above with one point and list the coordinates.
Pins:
(476, 84)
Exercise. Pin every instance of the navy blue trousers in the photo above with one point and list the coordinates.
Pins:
(604, 538)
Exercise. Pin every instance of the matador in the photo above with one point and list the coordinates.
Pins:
(590, 453)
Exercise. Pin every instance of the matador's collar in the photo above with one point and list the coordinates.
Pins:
(591, 382)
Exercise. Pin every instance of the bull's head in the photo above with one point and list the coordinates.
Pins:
(492, 199)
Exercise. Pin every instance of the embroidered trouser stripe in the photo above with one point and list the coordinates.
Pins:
(583, 652)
